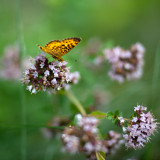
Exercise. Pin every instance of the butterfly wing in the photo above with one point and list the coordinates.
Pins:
(59, 48)
(54, 46)
(68, 44)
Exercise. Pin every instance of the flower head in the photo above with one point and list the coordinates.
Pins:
(50, 76)
(72, 143)
(125, 64)
(10, 63)
(140, 128)
(85, 137)
(88, 124)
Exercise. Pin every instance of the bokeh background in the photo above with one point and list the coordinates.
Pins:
(102, 23)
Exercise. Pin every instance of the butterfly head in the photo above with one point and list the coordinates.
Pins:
(39, 46)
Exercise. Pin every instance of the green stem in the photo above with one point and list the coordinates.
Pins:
(11, 126)
(22, 52)
(99, 156)
(75, 101)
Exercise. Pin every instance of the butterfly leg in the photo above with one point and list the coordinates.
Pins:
(57, 57)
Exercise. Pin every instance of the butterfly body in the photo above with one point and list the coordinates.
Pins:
(59, 48)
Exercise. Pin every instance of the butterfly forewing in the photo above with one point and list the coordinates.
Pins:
(68, 44)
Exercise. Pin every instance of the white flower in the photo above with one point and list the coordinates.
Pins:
(29, 87)
(134, 119)
(64, 63)
(121, 119)
(54, 81)
(46, 73)
(89, 147)
(126, 137)
(71, 143)
(55, 74)
(139, 47)
(34, 91)
(128, 66)
(143, 119)
(32, 66)
(143, 108)
(43, 54)
(26, 72)
(137, 108)
(42, 65)
(60, 64)
(126, 54)
(35, 74)
(112, 55)
(51, 67)
(55, 70)
(59, 88)
(78, 117)
(117, 77)
(74, 77)
(124, 129)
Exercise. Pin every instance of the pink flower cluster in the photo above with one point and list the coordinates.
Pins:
(142, 125)
(10, 63)
(125, 64)
(85, 137)
(50, 76)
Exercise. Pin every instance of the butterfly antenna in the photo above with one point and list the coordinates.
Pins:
(39, 46)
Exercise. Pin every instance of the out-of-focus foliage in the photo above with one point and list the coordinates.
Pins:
(118, 22)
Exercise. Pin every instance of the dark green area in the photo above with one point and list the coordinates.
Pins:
(123, 22)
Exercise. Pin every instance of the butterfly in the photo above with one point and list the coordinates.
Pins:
(59, 48)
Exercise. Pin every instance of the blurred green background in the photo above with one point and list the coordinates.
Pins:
(116, 22)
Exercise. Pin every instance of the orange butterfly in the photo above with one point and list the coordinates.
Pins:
(59, 48)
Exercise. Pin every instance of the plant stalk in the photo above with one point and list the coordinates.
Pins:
(75, 101)
(23, 104)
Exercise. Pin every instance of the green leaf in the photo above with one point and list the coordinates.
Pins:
(116, 113)
(116, 121)
(99, 114)
(109, 115)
